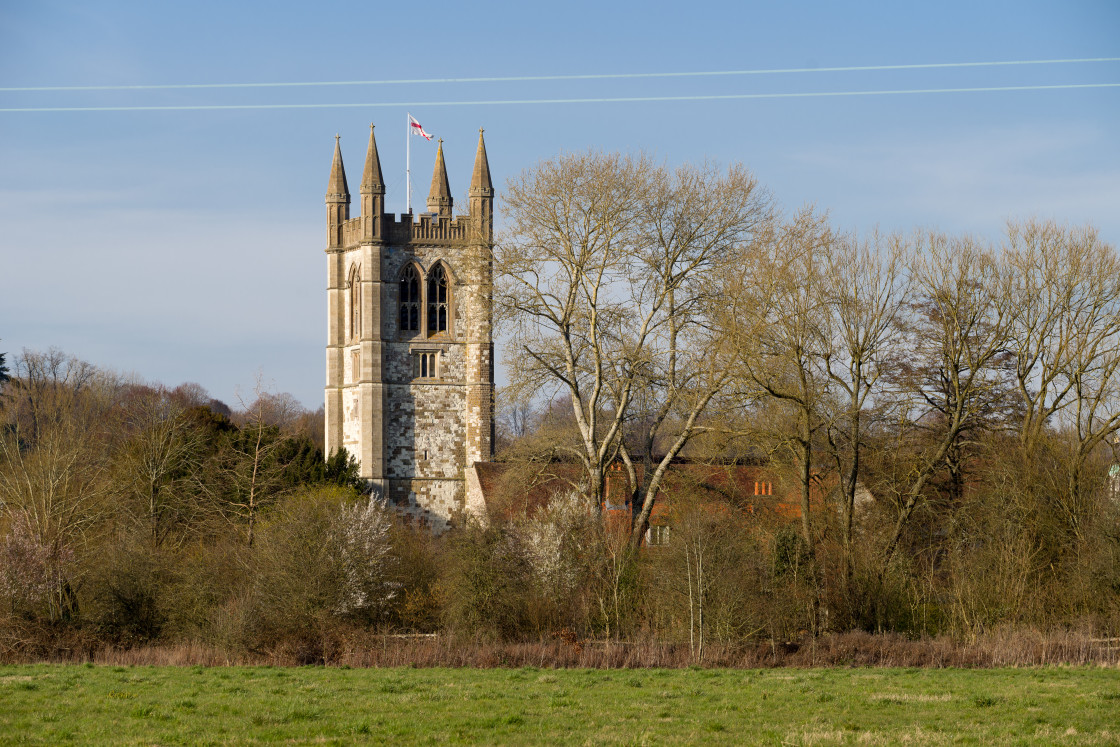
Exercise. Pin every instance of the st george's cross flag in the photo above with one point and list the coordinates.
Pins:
(417, 129)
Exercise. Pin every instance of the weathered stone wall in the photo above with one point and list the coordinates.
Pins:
(351, 375)
(414, 435)
(430, 503)
(426, 432)
(351, 420)
(426, 441)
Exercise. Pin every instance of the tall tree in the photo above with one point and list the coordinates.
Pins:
(607, 274)
(694, 223)
(1065, 337)
(951, 373)
(158, 466)
(866, 289)
(572, 223)
(254, 473)
(53, 480)
(785, 297)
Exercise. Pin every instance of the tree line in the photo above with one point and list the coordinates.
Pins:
(943, 410)
(127, 508)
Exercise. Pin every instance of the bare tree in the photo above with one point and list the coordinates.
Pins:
(159, 464)
(254, 475)
(695, 223)
(950, 378)
(1064, 293)
(785, 297)
(515, 416)
(572, 223)
(866, 287)
(1095, 372)
(46, 388)
(607, 278)
(53, 482)
(1065, 335)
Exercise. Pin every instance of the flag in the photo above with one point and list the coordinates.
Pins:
(417, 129)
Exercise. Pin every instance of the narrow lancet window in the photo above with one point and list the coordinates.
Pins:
(410, 300)
(437, 300)
(356, 303)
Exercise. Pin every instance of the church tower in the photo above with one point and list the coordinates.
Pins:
(410, 354)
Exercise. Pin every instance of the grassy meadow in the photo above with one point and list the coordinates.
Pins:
(87, 704)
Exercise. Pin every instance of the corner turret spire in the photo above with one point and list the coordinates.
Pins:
(373, 194)
(338, 199)
(481, 194)
(337, 191)
(439, 196)
(372, 180)
(480, 179)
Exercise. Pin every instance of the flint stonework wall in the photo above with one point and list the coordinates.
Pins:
(425, 432)
(429, 423)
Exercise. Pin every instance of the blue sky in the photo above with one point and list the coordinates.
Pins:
(187, 245)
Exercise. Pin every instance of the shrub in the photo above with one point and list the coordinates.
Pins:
(35, 576)
(124, 593)
(324, 555)
(486, 585)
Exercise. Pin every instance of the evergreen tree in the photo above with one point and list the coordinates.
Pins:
(4, 378)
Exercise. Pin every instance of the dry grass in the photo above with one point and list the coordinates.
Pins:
(855, 649)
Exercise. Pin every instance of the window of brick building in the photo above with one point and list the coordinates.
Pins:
(657, 536)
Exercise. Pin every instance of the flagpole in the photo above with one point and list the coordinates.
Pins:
(408, 160)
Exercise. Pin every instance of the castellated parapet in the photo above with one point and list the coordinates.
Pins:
(410, 354)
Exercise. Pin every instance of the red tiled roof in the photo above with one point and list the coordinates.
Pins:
(511, 490)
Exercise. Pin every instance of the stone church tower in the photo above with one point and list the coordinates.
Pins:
(410, 358)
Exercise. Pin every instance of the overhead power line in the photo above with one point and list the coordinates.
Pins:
(589, 100)
(588, 76)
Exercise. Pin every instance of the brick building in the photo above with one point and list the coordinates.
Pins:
(752, 490)
(410, 356)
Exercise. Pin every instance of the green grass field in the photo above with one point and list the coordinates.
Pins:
(58, 704)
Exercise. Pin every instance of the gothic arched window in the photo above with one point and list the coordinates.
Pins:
(356, 303)
(437, 300)
(410, 300)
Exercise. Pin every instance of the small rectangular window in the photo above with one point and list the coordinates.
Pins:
(426, 365)
(657, 536)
